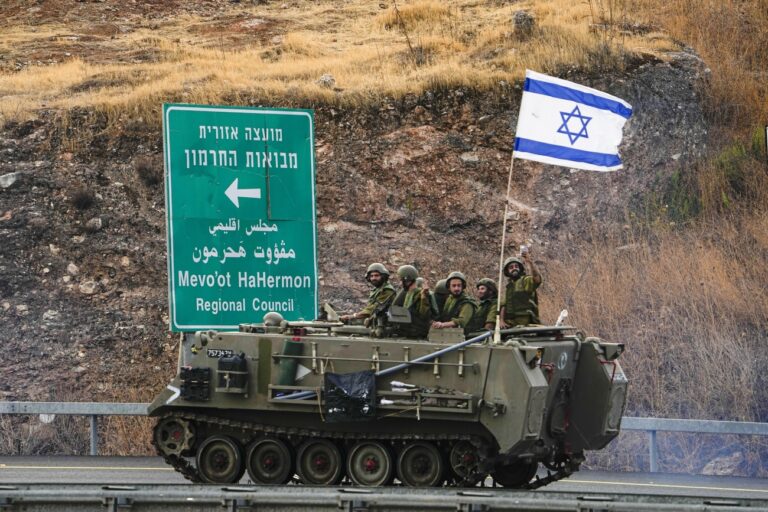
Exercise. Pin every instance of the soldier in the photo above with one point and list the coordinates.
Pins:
(487, 296)
(459, 307)
(441, 295)
(521, 303)
(415, 298)
(378, 276)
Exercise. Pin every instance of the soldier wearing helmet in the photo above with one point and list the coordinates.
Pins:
(383, 292)
(417, 299)
(521, 302)
(459, 307)
(487, 297)
(441, 294)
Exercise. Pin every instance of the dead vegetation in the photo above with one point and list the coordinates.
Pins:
(683, 282)
(264, 51)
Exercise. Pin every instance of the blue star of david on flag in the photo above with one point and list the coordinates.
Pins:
(553, 121)
(565, 127)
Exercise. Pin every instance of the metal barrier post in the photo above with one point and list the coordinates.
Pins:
(654, 451)
(94, 434)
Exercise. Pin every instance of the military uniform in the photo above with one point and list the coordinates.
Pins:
(521, 303)
(485, 314)
(421, 313)
(378, 296)
(459, 310)
(440, 296)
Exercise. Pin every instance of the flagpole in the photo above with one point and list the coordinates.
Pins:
(497, 331)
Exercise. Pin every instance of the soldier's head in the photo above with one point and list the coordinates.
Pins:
(408, 275)
(377, 274)
(514, 268)
(486, 289)
(456, 283)
(441, 288)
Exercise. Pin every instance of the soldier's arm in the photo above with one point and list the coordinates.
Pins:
(465, 315)
(384, 296)
(502, 323)
(367, 310)
(531, 266)
(425, 305)
(490, 318)
(434, 311)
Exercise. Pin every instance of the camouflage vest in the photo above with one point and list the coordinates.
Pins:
(480, 318)
(379, 300)
(419, 326)
(521, 306)
(374, 296)
(453, 312)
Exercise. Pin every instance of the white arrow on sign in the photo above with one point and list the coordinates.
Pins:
(234, 194)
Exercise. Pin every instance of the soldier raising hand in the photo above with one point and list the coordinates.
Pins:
(520, 304)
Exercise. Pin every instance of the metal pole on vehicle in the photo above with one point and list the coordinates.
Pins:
(401, 366)
(433, 355)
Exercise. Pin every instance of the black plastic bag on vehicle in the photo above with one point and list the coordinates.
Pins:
(350, 396)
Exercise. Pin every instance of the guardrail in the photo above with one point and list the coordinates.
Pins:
(654, 425)
(650, 425)
(91, 409)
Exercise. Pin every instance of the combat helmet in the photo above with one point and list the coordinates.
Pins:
(441, 288)
(376, 267)
(457, 275)
(488, 283)
(509, 261)
(408, 273)
(273, 318)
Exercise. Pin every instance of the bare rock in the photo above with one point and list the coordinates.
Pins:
(94, 225)
(88, 287)
(326, 81)
(723, 466)
(524, 23)
(6, 180)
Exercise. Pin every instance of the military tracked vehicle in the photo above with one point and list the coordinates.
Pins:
(320, 401)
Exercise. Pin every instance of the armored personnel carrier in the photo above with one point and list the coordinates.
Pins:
(322, 401)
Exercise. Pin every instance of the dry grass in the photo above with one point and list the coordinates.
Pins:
(730, 36)
(363, 46)
(70, 435)
(692, 308)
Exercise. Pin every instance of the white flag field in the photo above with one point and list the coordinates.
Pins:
(567, 124)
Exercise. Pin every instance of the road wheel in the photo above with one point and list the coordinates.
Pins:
(319, 462)
(269, 461)
(369, 464)
(515, 475)
(420, 465)
(220, 460)
(464, 459)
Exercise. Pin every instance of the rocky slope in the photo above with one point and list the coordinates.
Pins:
(417, 180)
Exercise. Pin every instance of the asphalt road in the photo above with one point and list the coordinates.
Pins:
(152, 470)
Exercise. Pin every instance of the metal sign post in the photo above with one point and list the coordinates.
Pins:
(240, 214)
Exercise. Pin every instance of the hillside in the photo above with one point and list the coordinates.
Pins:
(413, 171)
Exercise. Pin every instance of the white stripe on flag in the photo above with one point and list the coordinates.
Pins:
(562, 123)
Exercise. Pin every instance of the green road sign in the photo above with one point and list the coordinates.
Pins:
(240, 213)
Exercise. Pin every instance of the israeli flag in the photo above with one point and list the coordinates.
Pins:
(563, 123)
